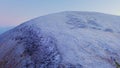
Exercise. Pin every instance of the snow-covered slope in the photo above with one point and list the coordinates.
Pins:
(69, 39)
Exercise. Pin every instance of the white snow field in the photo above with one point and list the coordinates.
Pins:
(70, 39)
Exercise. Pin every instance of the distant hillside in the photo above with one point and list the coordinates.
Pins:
(3, 29)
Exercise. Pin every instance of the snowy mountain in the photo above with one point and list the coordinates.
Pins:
(70, 39)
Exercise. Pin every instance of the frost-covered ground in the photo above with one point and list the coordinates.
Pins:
(63, 40)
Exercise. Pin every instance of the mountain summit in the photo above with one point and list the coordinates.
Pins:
(69, 39)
